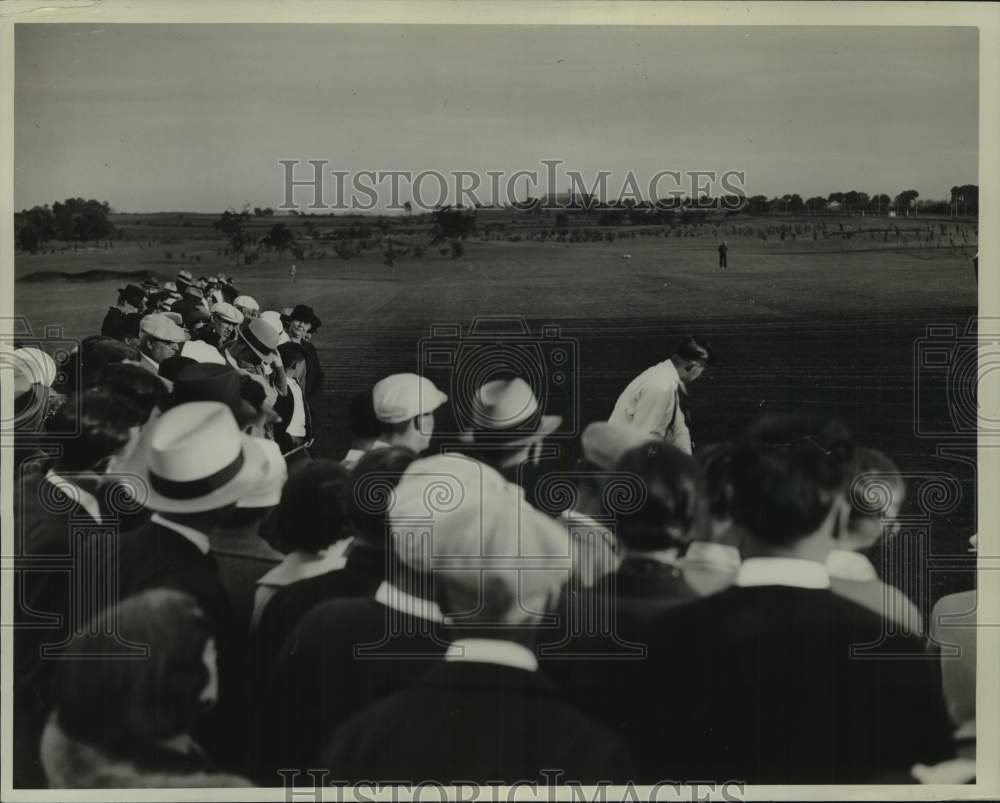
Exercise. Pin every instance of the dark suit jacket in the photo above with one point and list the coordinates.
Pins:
(114, 324)
(314, 373)
(54, 541)
(344, 655)
(474, 722)
(153, 556)
(360, 577)
(759, 684)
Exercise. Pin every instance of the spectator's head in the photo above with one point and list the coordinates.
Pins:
(193, 463)
(667, 516)
(172, 366)
(691, 357)
(203, 381)
(877, 493)
(102, 428)
(255, 343)
(251, 510)
(372, 487)
(248, 306)
(301, 321)
(129, 700)
(790, 476)
(160, 337)
(475, 517)
(507, 423)
(131, 298)
(404, 405)
(365, 427)
(293, 357)
(310, 516)
(134, 382)
(83, 369)
(224, 321)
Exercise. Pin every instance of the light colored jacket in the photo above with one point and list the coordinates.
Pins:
(651, 402)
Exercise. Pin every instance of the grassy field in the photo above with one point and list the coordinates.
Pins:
(826, 326)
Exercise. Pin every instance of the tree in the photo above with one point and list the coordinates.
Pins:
(233, 226)
(905, 199)
(816, 204)
(965, 199)
(879, 203)
(758, 204)
(280, 238)
(452, 224)
(43, 222)
(28, 239)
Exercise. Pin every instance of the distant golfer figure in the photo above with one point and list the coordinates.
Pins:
(723, 252)
(291, 272)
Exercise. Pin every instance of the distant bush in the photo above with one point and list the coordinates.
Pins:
(168, 254)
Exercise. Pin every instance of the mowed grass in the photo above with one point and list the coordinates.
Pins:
(828, 328)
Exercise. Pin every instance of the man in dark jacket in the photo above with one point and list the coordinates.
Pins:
(777, 679)
(131, 299)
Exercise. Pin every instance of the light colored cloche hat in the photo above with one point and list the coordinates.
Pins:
(506, 410)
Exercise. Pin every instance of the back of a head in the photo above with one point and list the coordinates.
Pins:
(663, 512)
(715, 461)
(877, 486)
(787, 471)
(83, 369)
(361, 417)
(694, 349)
(98, 425)
(136, 383)
(311, 515)
(373, 482)
(131, 700)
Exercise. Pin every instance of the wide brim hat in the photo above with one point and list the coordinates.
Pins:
(260, 336)
(268, 494)
(506, 412)
(133, 294)
(304, 313)
(195, 459)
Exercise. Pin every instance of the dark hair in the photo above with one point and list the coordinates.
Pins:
(310, 515)
(786, 472)
(876, 484)
(694, 349)
(668, 508)
(173, 365)
(372, 482)
(84, 366)
(135, 383)
(715, 461)
(92, 427)
(108, 693)
(291, 354)
(361, 416)
(130, 324)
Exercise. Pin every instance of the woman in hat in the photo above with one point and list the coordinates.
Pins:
(126, 721)
(302, 324)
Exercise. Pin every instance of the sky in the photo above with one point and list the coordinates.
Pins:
(196, 117)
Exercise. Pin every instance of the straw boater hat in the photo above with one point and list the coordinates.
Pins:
(195, 459)
(505, 411)
(227, 312)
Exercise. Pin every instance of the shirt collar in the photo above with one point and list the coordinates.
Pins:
(722, 557)
(792, 572)
(846, 565)
(196, 537)
(397, 599)
(492, 651)
(81, 496)
(302, 565)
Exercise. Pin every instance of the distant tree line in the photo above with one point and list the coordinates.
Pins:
(72, 221)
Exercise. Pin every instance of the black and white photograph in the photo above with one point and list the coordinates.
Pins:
(499, 405)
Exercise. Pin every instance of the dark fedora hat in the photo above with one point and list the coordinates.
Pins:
(133, 294)
(304, 313)
(205, 381)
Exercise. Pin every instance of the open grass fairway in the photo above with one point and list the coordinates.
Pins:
(822, 327)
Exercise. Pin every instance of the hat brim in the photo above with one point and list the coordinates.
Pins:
(546, 426)
(246, 481)
(263, 355)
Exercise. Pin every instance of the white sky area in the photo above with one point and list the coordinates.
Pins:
(196, 117)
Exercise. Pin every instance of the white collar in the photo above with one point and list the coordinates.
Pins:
(301, 565)
(792, 572)
(492, 651)
(397, 599)
(81, 496)
(844, 564)
(716, 556)
(196, 537)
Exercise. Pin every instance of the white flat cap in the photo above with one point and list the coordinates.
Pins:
(400, 397)
(162, 327)
(227, 312)
(246, 302)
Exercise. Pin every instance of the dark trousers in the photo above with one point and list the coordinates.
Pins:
(722, 261)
